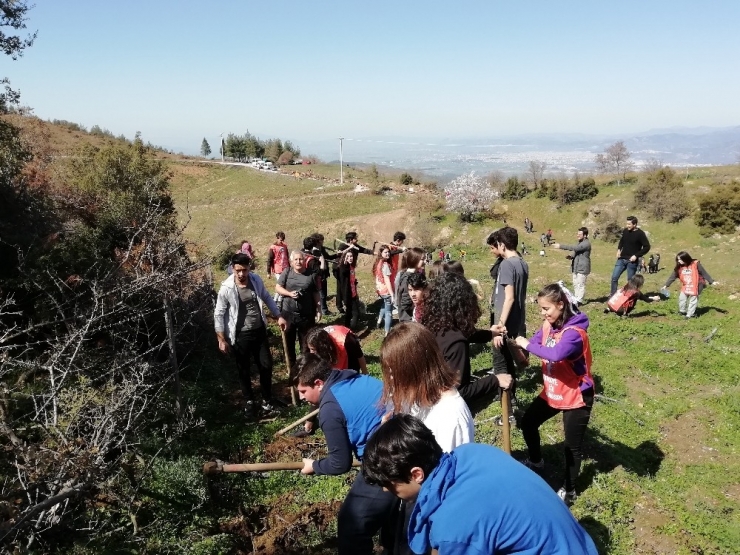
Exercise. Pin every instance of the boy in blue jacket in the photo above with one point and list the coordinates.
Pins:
(515, 511)
(349, 412)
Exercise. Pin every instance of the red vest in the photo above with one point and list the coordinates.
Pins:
(338, 336)
(690, 278)
(562, 386)
(623, 299)
(379, 279)
(279, 257)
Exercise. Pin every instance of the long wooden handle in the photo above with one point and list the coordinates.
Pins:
(293, 397)
(505, 408)
(218, 468)
(289, 427)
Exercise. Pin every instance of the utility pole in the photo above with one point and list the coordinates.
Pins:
(222, 148)
(341, 162)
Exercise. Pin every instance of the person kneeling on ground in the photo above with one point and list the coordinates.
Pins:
(625, 299)
(515, 510)
(349, 412)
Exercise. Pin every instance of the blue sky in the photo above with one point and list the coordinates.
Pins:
(181, 70)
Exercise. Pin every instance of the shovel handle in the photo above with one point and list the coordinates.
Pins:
(219, 467)
(505, 409)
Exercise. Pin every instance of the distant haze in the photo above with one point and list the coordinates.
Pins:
(446, 158)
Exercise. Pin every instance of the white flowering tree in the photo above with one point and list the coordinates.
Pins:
(469, 195)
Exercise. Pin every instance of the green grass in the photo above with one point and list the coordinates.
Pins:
(662, 456)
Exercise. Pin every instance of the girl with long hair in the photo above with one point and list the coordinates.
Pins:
(347, 285)
(418, 381)
(563, 345)
(693, 278)
(384, 286)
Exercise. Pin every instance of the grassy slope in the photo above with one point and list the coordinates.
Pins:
(661, 469)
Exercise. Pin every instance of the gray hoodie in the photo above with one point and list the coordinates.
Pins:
(581, 263)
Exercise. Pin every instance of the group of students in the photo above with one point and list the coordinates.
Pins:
(414, 431)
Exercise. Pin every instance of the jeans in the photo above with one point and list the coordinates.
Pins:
(248, 345)
(620, 266)
(574, 424)
(386, 311)
(365, 511)
(296, 331)
(691, 300)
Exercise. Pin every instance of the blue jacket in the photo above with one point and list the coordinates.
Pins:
(349, 413)
(515, 511)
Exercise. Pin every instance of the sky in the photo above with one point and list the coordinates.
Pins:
(179, 71)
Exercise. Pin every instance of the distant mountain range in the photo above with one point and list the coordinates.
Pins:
(445, 158)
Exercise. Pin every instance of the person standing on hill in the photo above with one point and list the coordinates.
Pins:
(633, 244)
(580, 262)
(325, 272)
(384, 287)
(563, 345)
(301, 302)
(350, 243)
(241, 327)
(510, 296)
(412, 261)
(693, 278)
(278, 259)
(347, 288)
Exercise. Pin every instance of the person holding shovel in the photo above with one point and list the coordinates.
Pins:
(301, 301)
(349, 413)
(475, 500)
(563, 345)
(241, 328)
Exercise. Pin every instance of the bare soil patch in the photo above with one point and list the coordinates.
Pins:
(648, 539)
(689, 439)
(277, 530)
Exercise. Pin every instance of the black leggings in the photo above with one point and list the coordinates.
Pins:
(250, 345)
(574, 424)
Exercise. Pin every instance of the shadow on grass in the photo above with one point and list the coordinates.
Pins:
(598, 532)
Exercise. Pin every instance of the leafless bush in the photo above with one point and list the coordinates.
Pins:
(84, 363)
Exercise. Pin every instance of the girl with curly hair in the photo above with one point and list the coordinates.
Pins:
(451, 312)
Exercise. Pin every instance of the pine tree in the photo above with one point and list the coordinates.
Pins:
(205, 148)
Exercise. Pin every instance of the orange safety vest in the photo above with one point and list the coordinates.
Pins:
(338, 336)
(280, 258)
(380, 281)
(623, 299)
(562, 386)
(690, 279)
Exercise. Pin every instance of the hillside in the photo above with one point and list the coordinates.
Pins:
(662, 452)
(661, 467)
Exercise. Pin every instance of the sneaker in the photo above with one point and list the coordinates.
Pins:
(607, 311)
(499, 421)
(301, 433)
(250, 409)
(534, 467)
(268, 409)
(568, 497)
